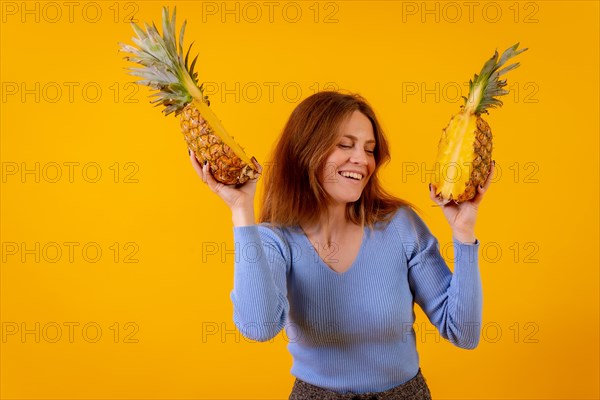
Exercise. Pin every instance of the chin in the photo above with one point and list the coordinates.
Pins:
(345, 196)
(348, 199)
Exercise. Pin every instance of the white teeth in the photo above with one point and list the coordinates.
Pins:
(352, 175)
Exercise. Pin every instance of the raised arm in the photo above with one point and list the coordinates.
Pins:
(452, 302)
(259, 292)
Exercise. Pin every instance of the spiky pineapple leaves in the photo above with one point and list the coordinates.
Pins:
(487, 85)
(163, 65)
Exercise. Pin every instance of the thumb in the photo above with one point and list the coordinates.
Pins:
(212, 183)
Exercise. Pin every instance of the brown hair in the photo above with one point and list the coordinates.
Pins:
(293, 193)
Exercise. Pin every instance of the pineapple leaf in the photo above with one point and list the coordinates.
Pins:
(187, 56)
(138, 31)
(162, 65)
(510, 53)
(508, 68)
(194, 64)
(181, 40)
(485, 87)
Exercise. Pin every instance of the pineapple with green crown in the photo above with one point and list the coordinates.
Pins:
(465, 148)
(164, 68)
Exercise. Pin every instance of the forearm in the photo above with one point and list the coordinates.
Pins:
(464, 237)
(243, 216)
(463, 322)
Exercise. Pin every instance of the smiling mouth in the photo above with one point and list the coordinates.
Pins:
(351, 175)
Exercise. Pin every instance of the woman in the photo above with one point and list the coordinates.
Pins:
(339, 263)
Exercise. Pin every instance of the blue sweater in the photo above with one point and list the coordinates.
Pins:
(353, 331)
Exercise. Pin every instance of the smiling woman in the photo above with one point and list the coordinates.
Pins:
(344, 261)
(328, 133)
(353, 159)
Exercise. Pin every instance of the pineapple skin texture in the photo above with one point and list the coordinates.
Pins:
(226, 167)
(464, 159)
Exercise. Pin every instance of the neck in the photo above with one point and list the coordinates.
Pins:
(331, 226)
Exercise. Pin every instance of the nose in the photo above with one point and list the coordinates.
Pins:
(359, 156)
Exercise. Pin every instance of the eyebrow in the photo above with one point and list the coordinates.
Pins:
(355, 138)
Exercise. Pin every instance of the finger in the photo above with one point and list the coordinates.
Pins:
(204, 172)
(257, 165)
(482, 189)
(479, 195)
(432, 195)
(435, 198)
(491, 176)
(258, 169)
(212, 183)
(207, 176)
(195, 163)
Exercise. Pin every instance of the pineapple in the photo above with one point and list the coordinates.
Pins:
(464, 154)
(165, 69)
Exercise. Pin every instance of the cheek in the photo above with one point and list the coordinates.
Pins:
(329, 172)
(331, 163)
(372, 165)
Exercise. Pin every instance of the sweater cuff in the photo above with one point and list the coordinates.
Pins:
(466, 253)
(476, 243)
(242, 231)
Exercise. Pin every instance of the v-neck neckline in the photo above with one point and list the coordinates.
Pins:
(323, 264)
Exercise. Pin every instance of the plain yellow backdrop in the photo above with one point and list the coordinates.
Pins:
(117, 261)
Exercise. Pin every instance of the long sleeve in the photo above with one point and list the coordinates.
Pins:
(452, 302)
(349, 329)
(259, 292)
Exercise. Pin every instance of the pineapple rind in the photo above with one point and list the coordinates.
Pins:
(225, 165)
(219, 130)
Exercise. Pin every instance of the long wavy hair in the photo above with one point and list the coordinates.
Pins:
(293, 188)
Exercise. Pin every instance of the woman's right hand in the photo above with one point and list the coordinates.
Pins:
(240, 200)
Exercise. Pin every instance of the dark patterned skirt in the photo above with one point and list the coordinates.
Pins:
(414, 389)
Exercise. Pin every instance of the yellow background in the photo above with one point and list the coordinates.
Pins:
(538, 224)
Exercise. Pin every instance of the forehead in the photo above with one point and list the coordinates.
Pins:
(358, 127)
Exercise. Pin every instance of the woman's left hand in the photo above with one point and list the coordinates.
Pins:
(462, 217)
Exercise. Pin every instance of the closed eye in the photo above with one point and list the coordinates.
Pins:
(346, 147)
